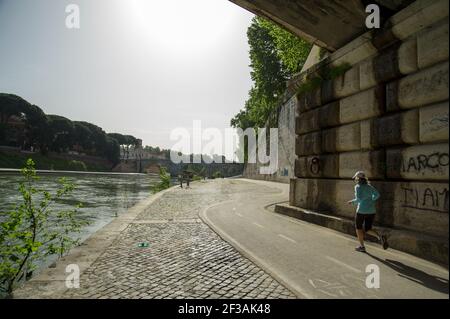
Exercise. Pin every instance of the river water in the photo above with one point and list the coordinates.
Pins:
(103, 197)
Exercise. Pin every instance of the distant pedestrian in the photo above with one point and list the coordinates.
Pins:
(365, 197)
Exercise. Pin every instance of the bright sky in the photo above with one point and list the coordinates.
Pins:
(140, 67)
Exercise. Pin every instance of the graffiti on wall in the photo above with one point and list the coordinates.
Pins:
(426, 198)
(314, 166)
(423, 162)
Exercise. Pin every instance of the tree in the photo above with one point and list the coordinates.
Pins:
(10, 105)
(275, 55)
(112, 150)
(62, 133)
(37, 127)
(83, 136)
(292, 50)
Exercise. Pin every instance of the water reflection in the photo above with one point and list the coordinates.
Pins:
(103, 197)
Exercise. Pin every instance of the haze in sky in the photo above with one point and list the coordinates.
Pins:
(140, 67)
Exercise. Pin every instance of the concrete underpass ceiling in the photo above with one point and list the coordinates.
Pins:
(326, 23)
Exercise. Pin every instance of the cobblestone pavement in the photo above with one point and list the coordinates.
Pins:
(185, 258)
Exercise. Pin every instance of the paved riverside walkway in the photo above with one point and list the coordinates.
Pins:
(259, 254)
(185, 258)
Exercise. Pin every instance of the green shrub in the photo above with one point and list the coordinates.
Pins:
(78, 166)
(164, 182)
(32, 231)
(218, 175)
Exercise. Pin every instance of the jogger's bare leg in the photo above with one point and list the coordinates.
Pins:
(360, 234)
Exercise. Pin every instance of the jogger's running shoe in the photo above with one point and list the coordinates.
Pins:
(384, 242)
(361, 249)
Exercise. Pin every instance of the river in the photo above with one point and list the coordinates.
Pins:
(103, 196)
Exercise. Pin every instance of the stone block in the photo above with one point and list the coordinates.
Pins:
(372, 162)
(346, 84)
(397, 129)
(392, 97)
(407, 57)
(422, 162)
(322, 166)
(423, 88)
(368, 136)
(367, 74)
(432, 45)
(348, 137)
(361, 106)
(419, 15)
(323, 195)
(386, 65)
(329, 138)
(308, 122)
(329, 115)
(309, 144)
(415, 206)
(434, 123)
(309, 100)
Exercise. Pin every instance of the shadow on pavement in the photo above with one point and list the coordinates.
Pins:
(418, 276)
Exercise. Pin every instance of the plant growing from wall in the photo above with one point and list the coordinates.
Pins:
(32, 231)
(325, 74)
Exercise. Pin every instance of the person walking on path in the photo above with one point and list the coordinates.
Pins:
(365, 197)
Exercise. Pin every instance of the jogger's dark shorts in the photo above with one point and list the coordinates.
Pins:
(365, 220)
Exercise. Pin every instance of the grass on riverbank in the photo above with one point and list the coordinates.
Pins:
(12, 160)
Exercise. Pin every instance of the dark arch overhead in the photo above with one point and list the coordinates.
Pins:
(327, 23)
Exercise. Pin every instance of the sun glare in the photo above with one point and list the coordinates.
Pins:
(181, 24)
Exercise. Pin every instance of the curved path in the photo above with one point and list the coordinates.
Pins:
(184, 258)
(316, 262)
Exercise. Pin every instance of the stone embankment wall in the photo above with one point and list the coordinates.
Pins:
(386, 115)
(286, 115)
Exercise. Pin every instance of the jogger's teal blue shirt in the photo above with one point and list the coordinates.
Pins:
(365, 197)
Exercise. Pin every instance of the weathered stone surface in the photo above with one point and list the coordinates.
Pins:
(432, 45)
(329, 138)
(347, 84)
(386, 65)
(368, 135)
(348, 137)
(416, 206)
(354, 52)
(309, 100)
(434, 123)
(309, 144)
(320, 194)
(308, 122)
(418, 16)
(367, 75)
(361, 106)
(372, 163)
(329, 115)
(422, 162)
(327, 92)
(322, 166)
(392, 97)
(397, 129)
(423, 88)
(407, 57)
